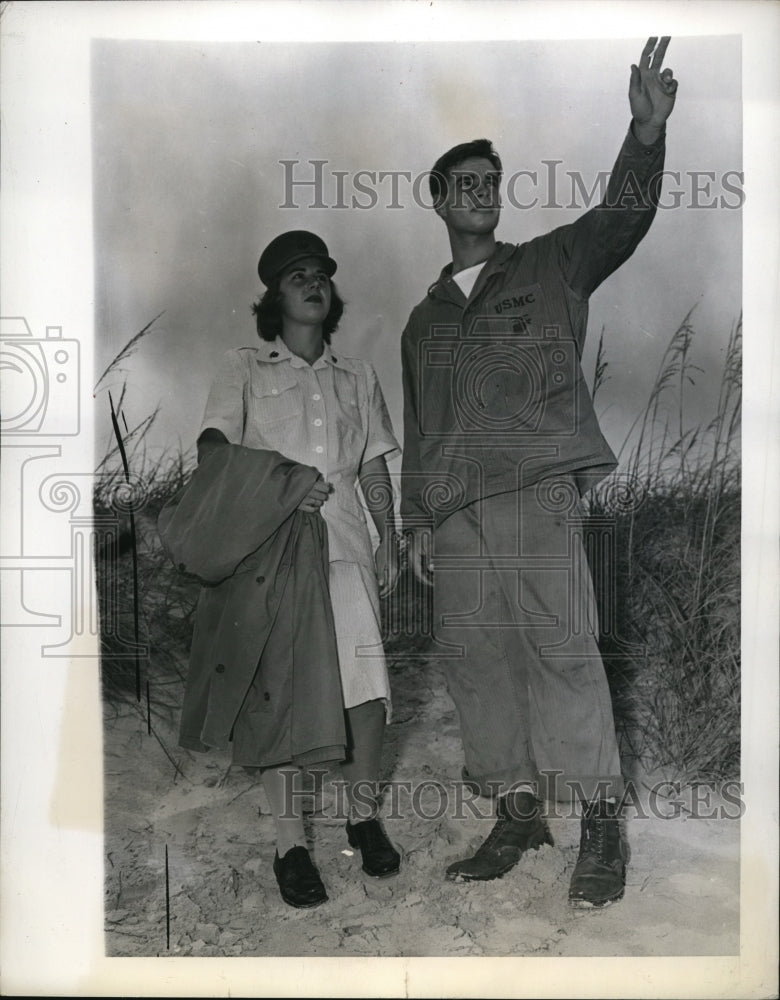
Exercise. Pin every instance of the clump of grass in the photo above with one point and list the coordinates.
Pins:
(671, 591)
(145, 606)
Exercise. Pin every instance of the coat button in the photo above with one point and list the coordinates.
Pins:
(274, 354)
(260, 579)
(220, 668)
(266, 696)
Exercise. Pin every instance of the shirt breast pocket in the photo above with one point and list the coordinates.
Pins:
(516, 311)
(347, 395)
(275, 397)
(350, 422)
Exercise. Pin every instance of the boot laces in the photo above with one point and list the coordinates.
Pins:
(597, 839)
(598, 831)
(504, 821)
(496, 832)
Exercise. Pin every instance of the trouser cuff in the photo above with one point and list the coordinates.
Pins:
(500, 782)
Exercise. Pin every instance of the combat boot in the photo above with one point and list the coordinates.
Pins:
(599, 877)
(519, 828)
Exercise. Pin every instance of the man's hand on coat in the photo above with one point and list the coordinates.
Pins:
(316, 496)
(388, 564)
(651, 91)
(419, 557)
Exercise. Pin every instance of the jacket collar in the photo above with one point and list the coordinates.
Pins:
(275, 351)
(446, 287)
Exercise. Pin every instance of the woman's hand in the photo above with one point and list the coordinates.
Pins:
(316, 496)
(387, 560)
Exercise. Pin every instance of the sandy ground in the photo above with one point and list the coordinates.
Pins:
(682, 896)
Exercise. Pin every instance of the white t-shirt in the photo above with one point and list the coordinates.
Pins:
(467, 278)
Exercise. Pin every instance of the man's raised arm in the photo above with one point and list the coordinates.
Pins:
(605, 237)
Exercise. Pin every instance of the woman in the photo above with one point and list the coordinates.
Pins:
(295, 396)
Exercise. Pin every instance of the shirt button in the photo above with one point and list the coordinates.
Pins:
(317, 396)
(318, 422)
(274, 392)
(319, 449)
(220, 668)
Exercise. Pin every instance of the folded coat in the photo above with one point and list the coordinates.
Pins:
(264, 612)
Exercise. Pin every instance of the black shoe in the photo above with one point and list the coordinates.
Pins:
(299, 881)
(599, 877)
(519, 828)
(380, 858)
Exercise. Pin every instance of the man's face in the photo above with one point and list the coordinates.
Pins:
(473, 203)
(305, 292)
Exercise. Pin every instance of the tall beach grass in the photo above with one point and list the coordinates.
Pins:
(671, 594)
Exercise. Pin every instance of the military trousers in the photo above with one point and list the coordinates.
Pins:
(514, 616)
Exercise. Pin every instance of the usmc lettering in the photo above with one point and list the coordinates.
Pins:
(514, 302)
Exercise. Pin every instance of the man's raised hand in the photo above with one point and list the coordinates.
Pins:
(652, 91)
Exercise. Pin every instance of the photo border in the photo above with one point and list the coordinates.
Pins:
(52, 936)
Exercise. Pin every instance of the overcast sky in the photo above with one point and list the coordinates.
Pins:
(188, 144)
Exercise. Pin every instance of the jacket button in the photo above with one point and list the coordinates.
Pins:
(274, 354)
(220, 668)
(260, 579)
(266, 696)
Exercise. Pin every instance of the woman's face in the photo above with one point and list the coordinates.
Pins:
(304, 290)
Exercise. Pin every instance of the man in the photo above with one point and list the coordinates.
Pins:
(501, 440)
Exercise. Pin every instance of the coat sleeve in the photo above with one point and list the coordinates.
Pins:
(602, 239)
(412, 507)
(232, 504)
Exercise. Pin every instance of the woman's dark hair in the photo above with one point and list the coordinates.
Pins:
(268, 313)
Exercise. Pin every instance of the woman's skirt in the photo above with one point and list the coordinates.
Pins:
(356, 616)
